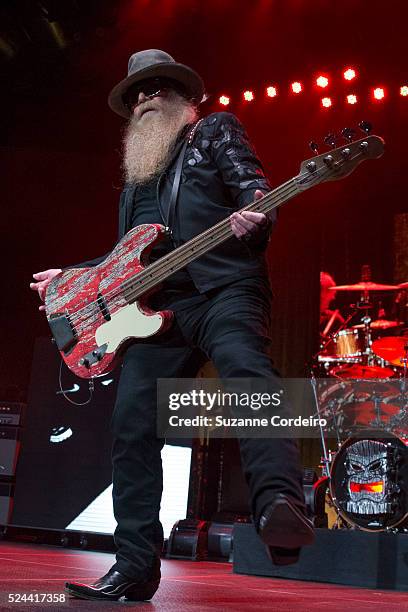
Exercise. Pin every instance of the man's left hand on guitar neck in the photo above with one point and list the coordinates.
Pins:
(250, 225)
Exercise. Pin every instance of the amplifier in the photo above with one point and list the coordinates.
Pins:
(11, 413)
(9, 448)
(6, 502)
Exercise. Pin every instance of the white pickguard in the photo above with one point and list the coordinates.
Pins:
(127, 322)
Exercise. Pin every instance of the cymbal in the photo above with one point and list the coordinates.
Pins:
(392, 349)
(403, 285)
(367, 286)
(380, 324)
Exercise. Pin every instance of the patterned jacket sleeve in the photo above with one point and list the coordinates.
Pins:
(240, 167)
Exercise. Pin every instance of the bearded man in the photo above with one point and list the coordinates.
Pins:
(221, 303)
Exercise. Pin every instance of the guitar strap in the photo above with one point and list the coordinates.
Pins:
(169, 219)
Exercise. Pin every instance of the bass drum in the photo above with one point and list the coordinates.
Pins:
(368, 481)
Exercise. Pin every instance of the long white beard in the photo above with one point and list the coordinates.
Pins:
(148, 142)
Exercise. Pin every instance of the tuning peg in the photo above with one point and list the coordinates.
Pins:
(348, 134)
(365, 127)
(330, 141)
(314, 146)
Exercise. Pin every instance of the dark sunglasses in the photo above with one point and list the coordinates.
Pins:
(151, 88)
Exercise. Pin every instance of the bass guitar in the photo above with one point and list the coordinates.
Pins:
(94, 313)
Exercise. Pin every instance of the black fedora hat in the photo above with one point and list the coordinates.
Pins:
(150, 64)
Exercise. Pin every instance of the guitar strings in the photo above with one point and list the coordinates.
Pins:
(174, 261)
(164, 264)
(181, 260)
(263, 204)
(219, 232)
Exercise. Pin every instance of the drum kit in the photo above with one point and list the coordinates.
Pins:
(360, 388)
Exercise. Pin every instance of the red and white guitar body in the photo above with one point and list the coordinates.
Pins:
(92, 317)
(95, 312)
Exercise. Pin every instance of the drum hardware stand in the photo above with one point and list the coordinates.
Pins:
(365, 304)
(403, 416)
(377, 423)
(404, 362)
(326, 459)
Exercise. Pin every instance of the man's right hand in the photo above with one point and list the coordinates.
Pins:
(43, 280)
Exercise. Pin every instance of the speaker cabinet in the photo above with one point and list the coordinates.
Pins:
(6, 502)
(9, 449)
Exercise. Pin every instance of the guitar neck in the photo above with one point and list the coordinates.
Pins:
(157, 272)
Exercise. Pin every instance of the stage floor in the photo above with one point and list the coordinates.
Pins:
(186, 585)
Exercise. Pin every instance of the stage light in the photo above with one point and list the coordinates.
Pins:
(349, 74)
(326, 102)
(322, 81)
(352, 99)
(271, 91)
(296, 87)
(404, 90)
(248, 95)
(224, 100)
(378, 93)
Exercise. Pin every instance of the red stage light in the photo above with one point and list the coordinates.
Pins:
(352, 99)
(296, 87)
(378, 93)
(224, 100)
(271, 91)
(404, 90)
(322, 81)
(349, 74)
(248, 95)
(326, 102)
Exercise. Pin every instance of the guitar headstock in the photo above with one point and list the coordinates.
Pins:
(339, 162)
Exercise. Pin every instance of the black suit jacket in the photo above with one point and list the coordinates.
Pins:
(221, 172)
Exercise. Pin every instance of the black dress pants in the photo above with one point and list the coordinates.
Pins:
(230, 326)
